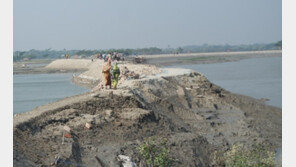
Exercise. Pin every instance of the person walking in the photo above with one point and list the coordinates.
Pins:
(115, 74)
(107, 74)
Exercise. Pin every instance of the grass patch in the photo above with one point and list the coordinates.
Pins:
(155, 153)
(239, 156)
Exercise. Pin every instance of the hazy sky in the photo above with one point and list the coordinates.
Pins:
(97, 24)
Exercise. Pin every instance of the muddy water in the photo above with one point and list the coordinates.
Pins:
(32, 90)
(257, 77)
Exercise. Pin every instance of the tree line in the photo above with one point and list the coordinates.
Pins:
(55, 54)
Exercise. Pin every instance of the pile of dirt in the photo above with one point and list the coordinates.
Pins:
(194, 115)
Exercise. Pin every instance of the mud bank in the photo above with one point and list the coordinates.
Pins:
(196, 116)
(207, 58)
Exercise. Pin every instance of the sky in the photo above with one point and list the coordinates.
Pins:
(105, 24)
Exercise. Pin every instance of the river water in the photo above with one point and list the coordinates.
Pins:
(32, 90)
(256, 77)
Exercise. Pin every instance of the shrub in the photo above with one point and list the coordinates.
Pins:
(259, 156)
(155, 153)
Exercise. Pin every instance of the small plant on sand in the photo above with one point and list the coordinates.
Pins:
(155, 153)
(259, 156)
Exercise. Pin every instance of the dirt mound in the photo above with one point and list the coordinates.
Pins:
(196, 116)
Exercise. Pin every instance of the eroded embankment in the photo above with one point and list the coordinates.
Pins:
(196, 116)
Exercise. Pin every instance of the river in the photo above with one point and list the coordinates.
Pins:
(32, 90)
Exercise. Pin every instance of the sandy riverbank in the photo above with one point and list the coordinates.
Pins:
(203, 58)
(196, 116)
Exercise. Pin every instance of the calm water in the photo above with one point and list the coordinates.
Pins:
(258, 77)
(32, 90)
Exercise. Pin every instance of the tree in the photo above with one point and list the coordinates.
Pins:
(179, 50)
(45, 55)
(279, 44)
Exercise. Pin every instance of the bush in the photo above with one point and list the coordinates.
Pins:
(155, 153)
(259, 156)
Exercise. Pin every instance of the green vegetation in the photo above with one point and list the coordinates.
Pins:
(53, 54)
(155, 153)
(238, 156)
(180, 50)
(226, 48)
(279, 44)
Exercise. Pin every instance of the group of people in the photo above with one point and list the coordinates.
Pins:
(113, 56)
(109, 72)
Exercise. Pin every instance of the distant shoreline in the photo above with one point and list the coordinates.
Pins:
(207, 58)
(161, 60)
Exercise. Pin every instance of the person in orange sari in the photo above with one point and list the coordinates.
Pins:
(106, 73)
